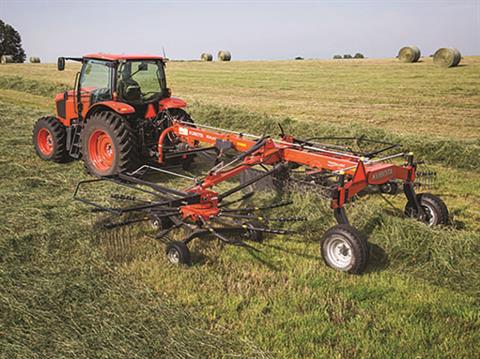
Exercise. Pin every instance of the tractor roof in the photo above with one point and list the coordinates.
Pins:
(116, 57)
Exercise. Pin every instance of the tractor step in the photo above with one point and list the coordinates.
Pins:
(73, 141)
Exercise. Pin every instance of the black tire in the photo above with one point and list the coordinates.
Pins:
(435, 209)
(179, 114)
(390, 188)
(344, 248)
(57, 139)
(123, 149)
(255, 236)
(160, 223)
(178, 253)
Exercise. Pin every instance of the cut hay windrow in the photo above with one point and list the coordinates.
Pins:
(409, 54)
(224, 55)
(447, 57)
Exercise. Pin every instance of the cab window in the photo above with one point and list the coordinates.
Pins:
(96, 79)
(141, 81)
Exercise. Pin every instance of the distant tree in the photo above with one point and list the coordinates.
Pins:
(11, 42)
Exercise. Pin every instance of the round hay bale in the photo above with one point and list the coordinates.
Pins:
(206, 57)
(337, 57)
(34, 60)
(409, 54)
(347, 56)
(447, 57)
(224, 56)
(6, 59)
(358, 56)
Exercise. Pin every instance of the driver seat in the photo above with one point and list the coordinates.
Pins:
(129, 90)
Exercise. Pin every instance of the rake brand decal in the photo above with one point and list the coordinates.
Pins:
(331, 163)
(381, 174)
(183, 131)
(195, 133)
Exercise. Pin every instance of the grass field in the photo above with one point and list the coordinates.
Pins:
(64, 294)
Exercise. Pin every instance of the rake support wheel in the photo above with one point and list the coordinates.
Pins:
(49, 140)
(345, 249)
(252, 234)
(178, 253)
(109, 145)
(436, 210)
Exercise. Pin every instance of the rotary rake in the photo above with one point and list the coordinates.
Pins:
(341, 173)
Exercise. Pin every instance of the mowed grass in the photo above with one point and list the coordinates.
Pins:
(419, 297)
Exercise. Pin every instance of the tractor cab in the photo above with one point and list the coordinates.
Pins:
(137, 81)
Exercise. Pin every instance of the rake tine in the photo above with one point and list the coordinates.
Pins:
(253, 209)
(288, 219)
(259, 218)
(164, 232)
(227, 240)
(244, 197)
(269, 230)
(125, 223)
(124, 197)
(242, 216)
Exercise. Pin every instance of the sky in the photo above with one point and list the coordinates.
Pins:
(249, 29)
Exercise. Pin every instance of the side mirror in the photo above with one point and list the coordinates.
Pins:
(61, 64)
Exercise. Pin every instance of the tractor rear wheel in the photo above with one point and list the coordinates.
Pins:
(109, 145)
(49, 139)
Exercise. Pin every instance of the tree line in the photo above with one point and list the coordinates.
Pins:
(11, 42)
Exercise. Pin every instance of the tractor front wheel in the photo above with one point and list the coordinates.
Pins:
(109, 145)
(345, 249)
(49, 139)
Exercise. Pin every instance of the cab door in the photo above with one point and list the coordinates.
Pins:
(95, 83)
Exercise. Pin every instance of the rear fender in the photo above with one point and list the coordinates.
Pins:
(171, 102)
(118, 107)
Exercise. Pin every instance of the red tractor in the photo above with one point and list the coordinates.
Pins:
(113, 117)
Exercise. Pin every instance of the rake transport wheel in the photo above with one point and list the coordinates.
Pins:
(252, 234)
(178, 253)
(49, 139)
(109, 145)
(345, 249)
(435, 209)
